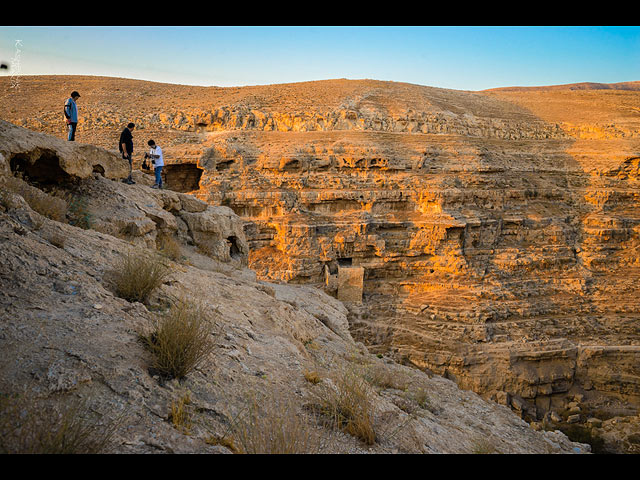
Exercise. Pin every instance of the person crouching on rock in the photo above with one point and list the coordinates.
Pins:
(126, 148)
(155, 154)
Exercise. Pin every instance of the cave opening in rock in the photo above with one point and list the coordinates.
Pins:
(234, 249)
(182, 177)
(345, 261)
(44, 171)
(224, 165)
(290, 165)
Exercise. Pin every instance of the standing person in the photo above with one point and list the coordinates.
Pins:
(126, 147)
(157, 159)
(71, 115)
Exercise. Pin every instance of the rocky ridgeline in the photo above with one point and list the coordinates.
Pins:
(245, 118)
(491, 238)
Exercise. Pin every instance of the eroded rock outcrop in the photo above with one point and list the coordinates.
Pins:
(46, 159)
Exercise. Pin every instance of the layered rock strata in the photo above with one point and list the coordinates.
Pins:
(498, 264)
(74, 367)
(497, 232)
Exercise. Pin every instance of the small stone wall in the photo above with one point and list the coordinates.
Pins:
(350, 284)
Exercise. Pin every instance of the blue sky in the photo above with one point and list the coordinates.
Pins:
(462, 58)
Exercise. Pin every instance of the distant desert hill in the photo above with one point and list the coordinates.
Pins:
(634, 86)
(107, 104)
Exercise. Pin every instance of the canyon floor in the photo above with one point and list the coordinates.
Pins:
(483, 241)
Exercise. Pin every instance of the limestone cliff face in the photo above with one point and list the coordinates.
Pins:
(497, 263)
(497, 232)
(77, 377)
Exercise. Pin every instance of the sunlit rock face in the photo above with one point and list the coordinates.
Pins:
(497, 232)
(498, 263)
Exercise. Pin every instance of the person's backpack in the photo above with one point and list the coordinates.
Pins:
(67, 117)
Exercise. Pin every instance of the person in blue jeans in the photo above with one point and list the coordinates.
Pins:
(71, 115)
(155, 154)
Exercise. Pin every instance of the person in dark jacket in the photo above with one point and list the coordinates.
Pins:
(71, 115)
(126, 148)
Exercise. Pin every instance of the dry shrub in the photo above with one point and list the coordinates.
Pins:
(274, 427)
(312, 376)
(180, 340)
(180, 415)
(224, 441)
(136, 276)
(57, 239)
(169, 247)
(383, 376)
(346, 402)
(484, 446)
(31, 426)
(421, 397)
(47, 205)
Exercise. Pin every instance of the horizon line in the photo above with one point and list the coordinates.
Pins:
(583, 83)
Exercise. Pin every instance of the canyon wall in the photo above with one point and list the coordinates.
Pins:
(496, 234)
(501, 264)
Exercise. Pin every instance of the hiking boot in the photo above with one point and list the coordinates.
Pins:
(155, 186)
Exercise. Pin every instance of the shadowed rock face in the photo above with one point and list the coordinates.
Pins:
(182, 177)
(497, 231)
(47, 160)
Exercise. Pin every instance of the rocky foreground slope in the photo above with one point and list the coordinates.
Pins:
(67, 339)
(489, 237)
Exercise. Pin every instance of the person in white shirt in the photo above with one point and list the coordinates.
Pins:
(155, 154)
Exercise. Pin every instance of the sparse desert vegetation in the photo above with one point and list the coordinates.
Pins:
(136, 275)
(277, 426)
(346, 403)
(169, 247)
(180, 339)
(62, 425)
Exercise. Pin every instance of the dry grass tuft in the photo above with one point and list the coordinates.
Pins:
(421, 397)
(312, 377)
(136, 276)
(30, 426)
(169, 247)
(346, 402)
(383, 376)
(180, 415)
(484, 446)
(224, 441)
(180, 341)
(274, 427)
